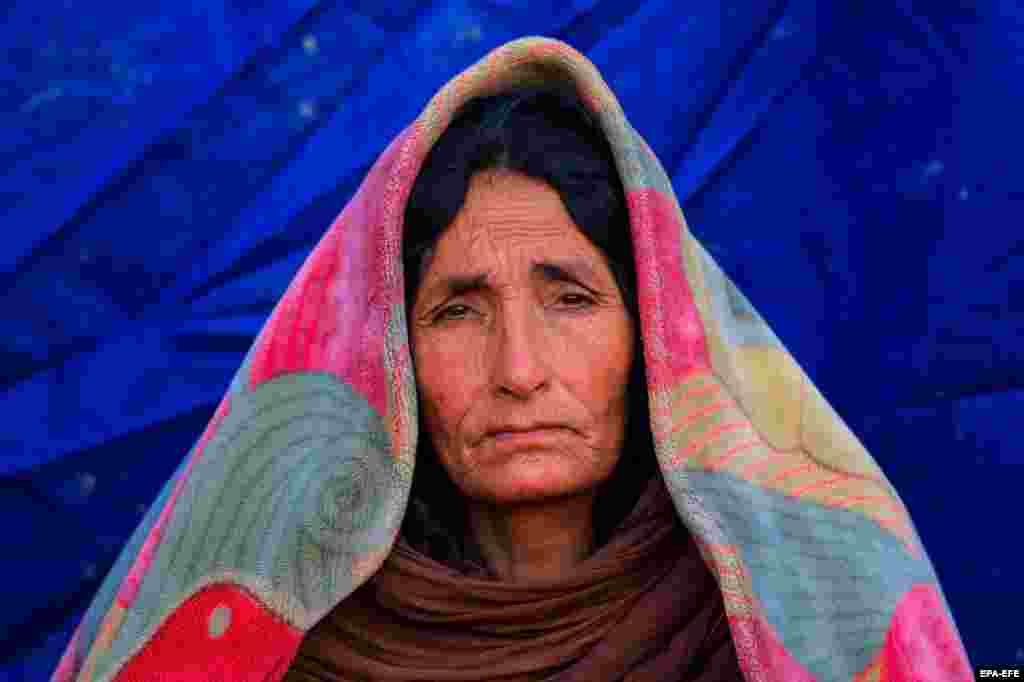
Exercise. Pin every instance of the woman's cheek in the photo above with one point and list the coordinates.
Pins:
(606, 378)
(600, 355)
(447, 383)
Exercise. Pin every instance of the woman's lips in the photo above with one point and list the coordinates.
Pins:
(540, 437)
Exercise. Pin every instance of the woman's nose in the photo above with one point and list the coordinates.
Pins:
(522, 365)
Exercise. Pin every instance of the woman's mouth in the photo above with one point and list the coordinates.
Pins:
(539, 436)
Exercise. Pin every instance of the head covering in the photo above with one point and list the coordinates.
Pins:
(293, 496)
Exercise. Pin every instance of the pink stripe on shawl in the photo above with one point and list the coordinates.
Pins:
(71, 662)
(673, 333)
(761, 653)
(921, 643)
(335, 314)
(130, 585)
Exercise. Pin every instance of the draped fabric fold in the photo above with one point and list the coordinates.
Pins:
(291, 502)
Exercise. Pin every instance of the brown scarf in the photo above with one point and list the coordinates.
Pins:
(643, 607)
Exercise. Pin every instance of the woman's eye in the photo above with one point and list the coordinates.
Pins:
(460, 311)
(576, 300)
(451, 312)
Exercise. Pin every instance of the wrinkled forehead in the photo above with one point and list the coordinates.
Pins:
(506, 222)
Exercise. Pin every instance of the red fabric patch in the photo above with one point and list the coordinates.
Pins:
(220, 634)
(921, 644)
(673, 333)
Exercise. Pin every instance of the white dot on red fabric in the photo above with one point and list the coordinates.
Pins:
(220, 620)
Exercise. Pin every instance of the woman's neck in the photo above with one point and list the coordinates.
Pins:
(536, 541)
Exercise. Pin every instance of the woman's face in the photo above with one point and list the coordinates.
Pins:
(522, 345)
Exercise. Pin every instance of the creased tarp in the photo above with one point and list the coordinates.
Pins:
(882, 163)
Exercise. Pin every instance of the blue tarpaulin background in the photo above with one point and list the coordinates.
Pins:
(167, 166)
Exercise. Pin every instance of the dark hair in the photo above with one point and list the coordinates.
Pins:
(549, 135)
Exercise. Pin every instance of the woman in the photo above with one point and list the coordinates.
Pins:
(619, 473)
(522, 326)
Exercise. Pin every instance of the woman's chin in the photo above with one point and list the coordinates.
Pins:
(534, 476)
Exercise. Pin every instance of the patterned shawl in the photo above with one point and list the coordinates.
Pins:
(294, 494)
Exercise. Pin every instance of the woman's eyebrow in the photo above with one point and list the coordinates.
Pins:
(456, 285)
(575, 270)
